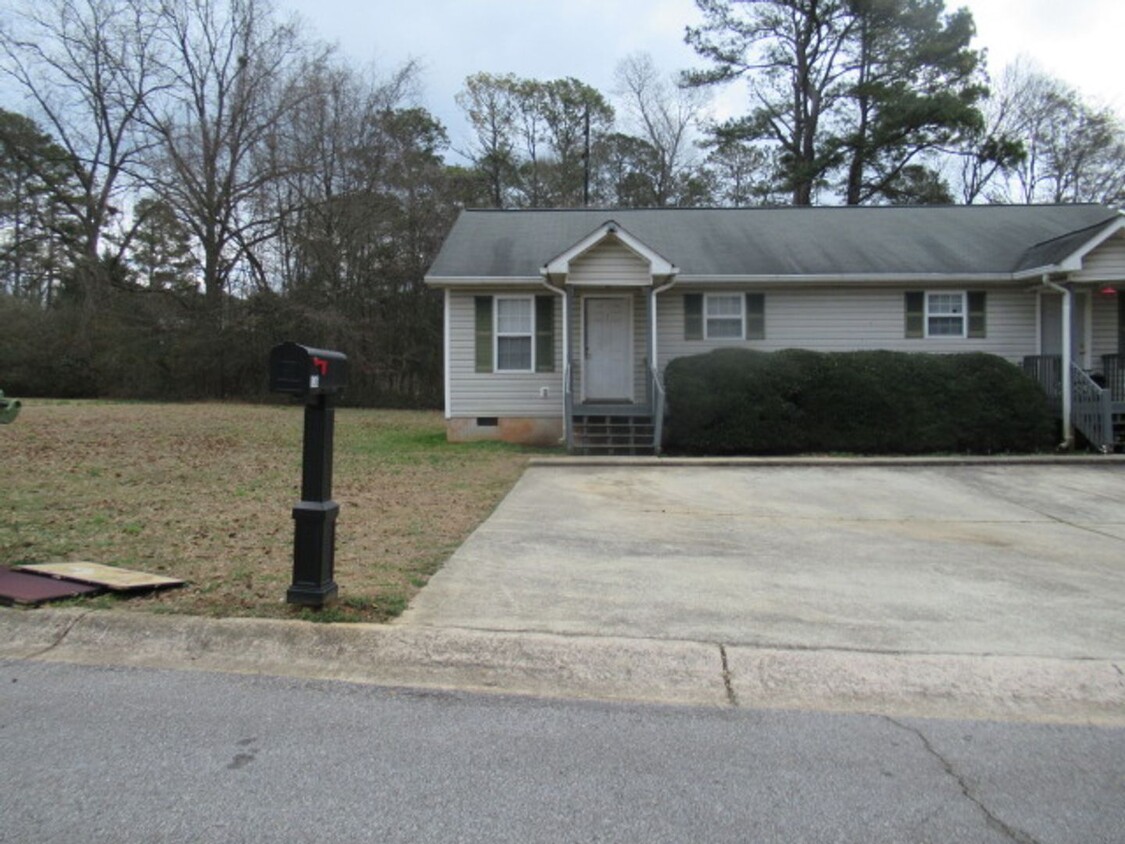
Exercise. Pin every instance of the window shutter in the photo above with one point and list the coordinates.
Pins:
(977, 324)
(483, 305)
(544, 333)
(693, 316)
(915, 313)
(755, 316)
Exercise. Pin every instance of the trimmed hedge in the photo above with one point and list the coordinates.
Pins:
(739, 401)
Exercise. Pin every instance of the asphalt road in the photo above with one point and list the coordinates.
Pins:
(115, 754)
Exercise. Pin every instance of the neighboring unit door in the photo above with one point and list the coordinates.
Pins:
(1051, 315)
(608, 370)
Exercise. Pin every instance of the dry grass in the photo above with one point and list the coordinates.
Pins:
(204, 492)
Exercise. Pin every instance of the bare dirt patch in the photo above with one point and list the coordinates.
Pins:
(204, 492)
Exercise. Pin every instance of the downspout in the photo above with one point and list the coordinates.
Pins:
(565, 351)
(1067, 307)
(656, 292)
(565, 316)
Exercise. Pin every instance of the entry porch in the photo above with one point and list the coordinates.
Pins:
(613, 396)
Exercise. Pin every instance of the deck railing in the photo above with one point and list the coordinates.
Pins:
(1091, 404)
(1092, 408)
(1047, 370)
(1113, 369)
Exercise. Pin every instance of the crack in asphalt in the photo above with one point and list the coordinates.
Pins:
(732, 698)
(993, 822)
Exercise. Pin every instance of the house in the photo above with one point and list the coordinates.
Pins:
(559, 323)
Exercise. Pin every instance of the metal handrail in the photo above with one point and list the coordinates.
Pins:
(568, 404)
(657, 409)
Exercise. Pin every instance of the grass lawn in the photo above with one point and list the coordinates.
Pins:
(204, 492)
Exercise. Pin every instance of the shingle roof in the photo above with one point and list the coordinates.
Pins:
(822, 241)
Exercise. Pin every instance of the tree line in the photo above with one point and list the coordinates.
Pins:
(189, 182)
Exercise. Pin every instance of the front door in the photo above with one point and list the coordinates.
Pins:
(1051, 315)
(608, 340)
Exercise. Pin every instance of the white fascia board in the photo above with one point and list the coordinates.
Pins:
(482, 281)
(849, 280)
(1073, 261)
(1036, 273)
(658, 264)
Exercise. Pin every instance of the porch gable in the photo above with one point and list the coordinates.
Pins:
(609, 240)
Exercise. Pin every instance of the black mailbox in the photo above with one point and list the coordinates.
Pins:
(303, 371)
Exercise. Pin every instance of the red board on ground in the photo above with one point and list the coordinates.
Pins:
(19, 588)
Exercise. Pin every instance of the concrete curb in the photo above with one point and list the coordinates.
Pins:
(528, 664)
(599, 668)
(831, 461)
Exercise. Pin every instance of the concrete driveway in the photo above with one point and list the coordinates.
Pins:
(1007, 560)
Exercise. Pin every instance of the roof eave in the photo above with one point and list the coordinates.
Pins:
(480, 280)
(1073, 261)
(848, 278)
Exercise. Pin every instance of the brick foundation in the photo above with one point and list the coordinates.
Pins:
(524, 430)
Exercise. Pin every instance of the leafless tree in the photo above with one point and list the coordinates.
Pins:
(665, 115)
(1074, 152)
(88, 68)
(233, 73)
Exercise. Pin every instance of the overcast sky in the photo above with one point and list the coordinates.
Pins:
(1076, 40)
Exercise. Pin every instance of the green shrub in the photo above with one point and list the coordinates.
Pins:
(738, 401)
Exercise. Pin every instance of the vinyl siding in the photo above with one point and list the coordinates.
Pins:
(833, 320)
(474, 393)
(1106, 263)
(609, 264)
(1104, 322)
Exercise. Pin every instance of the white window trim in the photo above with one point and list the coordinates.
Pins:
(741, 317)
(964, 314)
(496, 335)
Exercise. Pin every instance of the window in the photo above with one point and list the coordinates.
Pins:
(503, 332)
(723, 316)
(514, 332)
(945, 314)
(954, 313)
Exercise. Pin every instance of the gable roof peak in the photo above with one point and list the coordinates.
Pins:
(658, 264)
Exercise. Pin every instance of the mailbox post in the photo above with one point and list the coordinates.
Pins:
(317, 377)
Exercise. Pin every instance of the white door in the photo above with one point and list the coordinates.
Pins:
(608, 370)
